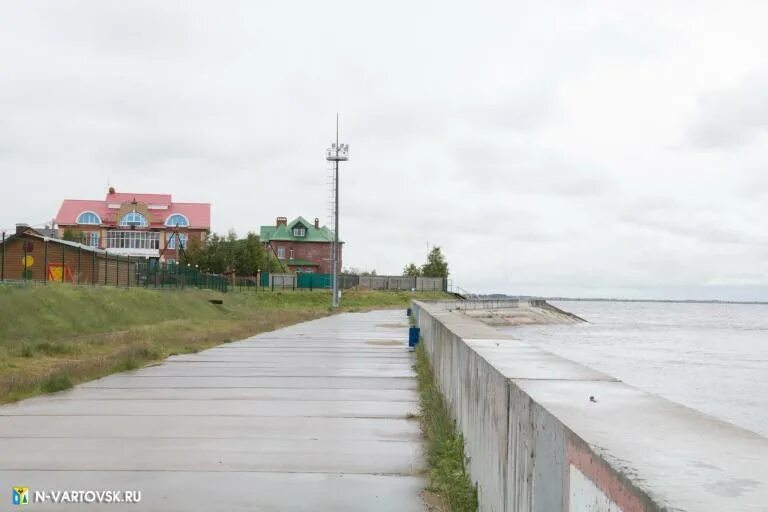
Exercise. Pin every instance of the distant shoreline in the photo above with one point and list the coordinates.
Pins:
(673, 301)
(603, 299)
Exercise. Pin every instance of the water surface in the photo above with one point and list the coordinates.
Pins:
(711, 357)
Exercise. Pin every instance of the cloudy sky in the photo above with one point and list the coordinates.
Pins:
(553, 147)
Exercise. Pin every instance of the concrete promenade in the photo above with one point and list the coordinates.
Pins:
(312, 417)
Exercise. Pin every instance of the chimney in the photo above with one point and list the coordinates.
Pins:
(111, 190)
(21, 227)
(281, 220)
(317, 223)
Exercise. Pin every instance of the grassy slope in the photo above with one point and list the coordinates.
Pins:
(448, 477)
(57, 335)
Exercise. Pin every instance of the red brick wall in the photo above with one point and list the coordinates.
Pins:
(197, 234)
(317, 252)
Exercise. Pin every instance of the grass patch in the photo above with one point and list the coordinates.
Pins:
(126, 364)
(54, 383)
(448, 477)
(52, 348)
(24, 350)
(60, 335)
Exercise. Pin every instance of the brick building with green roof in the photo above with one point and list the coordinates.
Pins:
(301, 246)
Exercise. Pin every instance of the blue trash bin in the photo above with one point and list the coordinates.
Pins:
(413, 337)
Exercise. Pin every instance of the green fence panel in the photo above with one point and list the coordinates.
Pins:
(313, 281)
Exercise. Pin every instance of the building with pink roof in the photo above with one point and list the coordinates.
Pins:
(143, 225)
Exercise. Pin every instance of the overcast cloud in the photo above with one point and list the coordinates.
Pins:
(554, 148)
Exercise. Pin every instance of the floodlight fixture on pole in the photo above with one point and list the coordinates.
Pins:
(336, 153)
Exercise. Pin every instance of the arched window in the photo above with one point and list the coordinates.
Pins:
(177, 219)
(134, 218)
(88, 218)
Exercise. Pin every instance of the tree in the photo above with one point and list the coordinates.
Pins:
(436, 266)
(194, 252)
(411, 270)
(72, 235)
(219, 254)
(249, 256)
(356, 271)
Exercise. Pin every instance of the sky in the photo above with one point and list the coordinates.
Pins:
(555, 148)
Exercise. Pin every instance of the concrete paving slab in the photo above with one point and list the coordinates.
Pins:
(213, 454)
(297, 371)
(347, 394)
(273, 358)
(213, 427)
(357, 345)
(369, 364)
(254, 351)
(287, 381)
(282, 408)
(311, 417)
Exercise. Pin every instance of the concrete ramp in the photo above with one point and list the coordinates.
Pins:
(521, 315)
(317, 416)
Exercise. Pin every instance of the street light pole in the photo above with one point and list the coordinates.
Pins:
(336, 298)
(336, 153)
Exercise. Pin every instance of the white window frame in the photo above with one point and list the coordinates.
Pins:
(281, 253)
(171, 244)
(300, 232)
(92, 239)
(143, 224)
(184, 225)
(130, 239)
(98, 218)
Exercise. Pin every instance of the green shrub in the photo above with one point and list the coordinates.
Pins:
(58, 382)
(126, 364)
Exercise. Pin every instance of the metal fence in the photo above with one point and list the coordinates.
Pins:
(152, 274)
(421, 284)
(306, 281)
(27, 258)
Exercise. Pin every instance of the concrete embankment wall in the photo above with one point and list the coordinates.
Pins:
(536, 441)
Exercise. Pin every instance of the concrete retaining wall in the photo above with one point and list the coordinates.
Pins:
(536, 441)
(426, 284)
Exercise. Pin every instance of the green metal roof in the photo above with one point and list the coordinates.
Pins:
(301, 263)
(285, 232)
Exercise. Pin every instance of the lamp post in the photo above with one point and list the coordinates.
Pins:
(336, 153)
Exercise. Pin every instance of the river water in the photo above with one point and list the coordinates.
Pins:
(710, 357)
